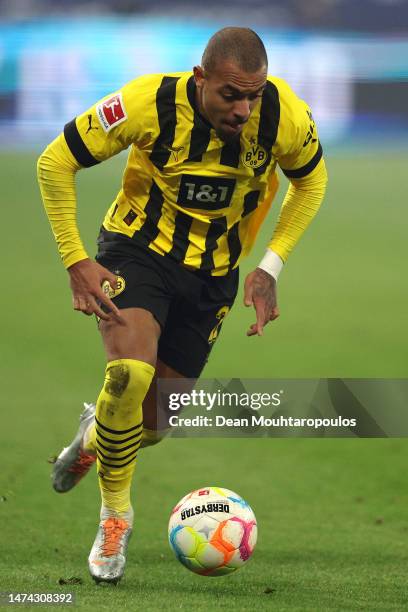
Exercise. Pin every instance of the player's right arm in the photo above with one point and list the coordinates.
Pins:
(56, 175)
(102, 131)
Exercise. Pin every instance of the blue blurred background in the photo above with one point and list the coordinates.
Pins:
(349, 60)
(342, 296)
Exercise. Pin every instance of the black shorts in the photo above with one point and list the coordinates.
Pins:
(189, 305)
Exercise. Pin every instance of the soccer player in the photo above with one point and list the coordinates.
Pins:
(199, 180)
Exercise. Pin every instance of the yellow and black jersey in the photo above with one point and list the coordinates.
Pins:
(186, 193)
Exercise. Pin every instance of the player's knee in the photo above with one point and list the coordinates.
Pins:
(128, 379)
(135, 339)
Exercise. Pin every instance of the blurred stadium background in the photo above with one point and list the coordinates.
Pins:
(342, 294)
(332, 512)
(348, 60)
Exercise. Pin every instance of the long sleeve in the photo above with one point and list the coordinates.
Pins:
(56, 170)
(301, 203)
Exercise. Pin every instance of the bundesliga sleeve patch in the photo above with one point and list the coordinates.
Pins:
(111, 112)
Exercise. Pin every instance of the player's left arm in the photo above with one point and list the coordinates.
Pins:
(301, 160)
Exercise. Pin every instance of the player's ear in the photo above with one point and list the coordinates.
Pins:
(198, 75)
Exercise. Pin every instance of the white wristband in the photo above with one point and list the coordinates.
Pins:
(271, 263)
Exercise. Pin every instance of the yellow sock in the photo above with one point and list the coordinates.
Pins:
(150, 437)
(119, 423)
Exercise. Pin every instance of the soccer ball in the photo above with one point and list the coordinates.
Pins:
(212, 531)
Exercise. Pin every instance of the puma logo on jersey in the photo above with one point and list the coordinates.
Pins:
(175, 151)
(310, 136)
(91, 127)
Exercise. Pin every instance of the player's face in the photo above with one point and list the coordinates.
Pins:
(228, 95)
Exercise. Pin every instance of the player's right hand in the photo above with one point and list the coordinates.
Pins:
(86, 278)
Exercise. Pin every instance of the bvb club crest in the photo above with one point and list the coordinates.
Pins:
(255, 156)
(107, 289)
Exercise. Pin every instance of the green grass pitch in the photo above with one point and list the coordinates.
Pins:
(332, 513)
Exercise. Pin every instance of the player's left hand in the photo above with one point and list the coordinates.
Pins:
(260, 292)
